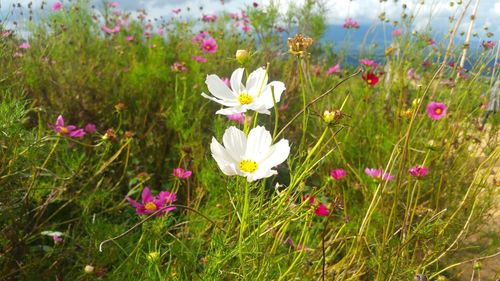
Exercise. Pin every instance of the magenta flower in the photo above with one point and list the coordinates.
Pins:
(209, 45)
(238, 117)
(199, 59)
(181, 174)
(113, 30)
(321, 209)
(418, 171)
(70, 130)
(24, 45)
(209, 18)
(350, 24)
(436, 110)
(378, 174)
(57, 239)
(337, 174)
(56, 6)
(179, 67)
(246, 28)
(151, 204)
(129, 38)
(199, 37)
(368, 62)
(90, 128)
(397, 32)
(113, 5)
(176, 11)
(333, 69)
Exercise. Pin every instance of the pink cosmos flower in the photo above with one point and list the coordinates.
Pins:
(151, 204)
(321, 209)
(113, 30)
(411, 75)
(199, 59)
(487, 45)
(24, 45)
(90, 128)
(436, 110)
(337, 174)
(181, 174)
(246, 28)
(113, 5)
(176, 11)
(70, 130)
(238, 117)
(350, 24)
(209, 45)
(378, 174)
(418, 171)
(57, 239)
(199, 37)
(368, 62)
(209, 18)
(234, 16)
(226, 81)
(160, 31)
(397, 32)
(129, 38)
(56, 6)
(179, 67)
(333, 69)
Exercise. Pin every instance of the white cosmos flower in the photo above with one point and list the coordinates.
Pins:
(252, 158)
(255, 95)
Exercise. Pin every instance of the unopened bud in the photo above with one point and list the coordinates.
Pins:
(242, 56)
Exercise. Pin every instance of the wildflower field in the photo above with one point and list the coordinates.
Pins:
(246, 144)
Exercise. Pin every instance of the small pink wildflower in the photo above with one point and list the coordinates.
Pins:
(199, 37)
(179, 67)
(24, 46)
(209, 45)
(369, 62)
(487, 45)
(397, 32)
(56, 6)
(129, 38)
(57, 239)
(246, 28)
(411, 75)
(238, 117)
(378, 174)
(320, 210)
(70, 130)
(333, 69)
(436, 110)
(151, 204)
(209, 18)
(90, 128)
(337, 174)
(180, 173)
(350, 24)
(199, 59)
(113, 4)
(176, 11)
(418, 171)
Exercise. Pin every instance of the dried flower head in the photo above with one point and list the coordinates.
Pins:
(299, 44)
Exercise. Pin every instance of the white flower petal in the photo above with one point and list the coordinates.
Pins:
(231, 110)
(260, 174)
(235, 142)
(276, 155)
(266, 95)
(255, 80)
(223, 102)
(236, 80)
(258, 144)
(224, 160)
(218, 88)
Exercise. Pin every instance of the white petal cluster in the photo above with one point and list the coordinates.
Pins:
(253, 157)
(256, 95)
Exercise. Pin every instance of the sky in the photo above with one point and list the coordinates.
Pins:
(366, 12)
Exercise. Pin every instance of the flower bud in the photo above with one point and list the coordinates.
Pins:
(241, 56)
(153, 256)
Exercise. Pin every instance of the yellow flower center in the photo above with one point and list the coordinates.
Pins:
(150, 206)
(369, 81)
(245, 98)
(248, 166)
(64, 130)
(438, 110)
